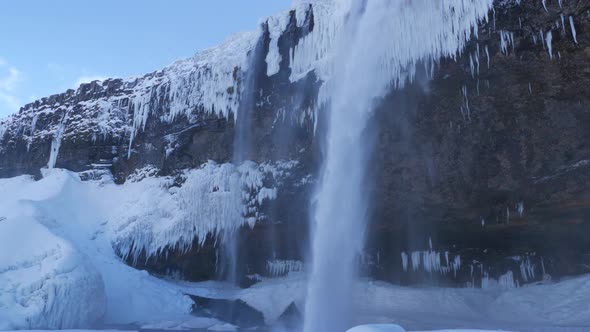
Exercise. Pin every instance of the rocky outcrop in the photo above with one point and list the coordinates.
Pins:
(479, 168)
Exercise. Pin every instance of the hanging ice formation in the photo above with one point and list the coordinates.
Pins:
(361, 49)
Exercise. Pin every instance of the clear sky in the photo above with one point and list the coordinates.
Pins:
(48, 46)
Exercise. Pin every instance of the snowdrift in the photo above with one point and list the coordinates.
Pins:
(59, 239)
(44, 282)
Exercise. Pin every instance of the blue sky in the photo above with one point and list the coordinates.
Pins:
(48, 46)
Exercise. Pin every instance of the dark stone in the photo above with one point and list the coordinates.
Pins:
(235, 312)
(291, 318)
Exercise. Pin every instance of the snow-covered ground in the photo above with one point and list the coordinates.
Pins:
(549, 307)
(59, 237)
(58, 267)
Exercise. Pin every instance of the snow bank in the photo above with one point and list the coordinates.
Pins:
(460, 331)
(184, 324)
(44, 282)
(561, 306)
(377, 328)
(66, 272)
(76, 330)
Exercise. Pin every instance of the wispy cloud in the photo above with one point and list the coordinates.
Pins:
(9, 78)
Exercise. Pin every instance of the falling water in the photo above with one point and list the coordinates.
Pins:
(242, 151)
(376, 47)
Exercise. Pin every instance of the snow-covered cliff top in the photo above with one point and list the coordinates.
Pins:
(208, 82)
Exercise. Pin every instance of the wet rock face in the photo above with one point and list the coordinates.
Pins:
(490, 164)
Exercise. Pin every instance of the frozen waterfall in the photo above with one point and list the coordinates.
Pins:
(367, 47)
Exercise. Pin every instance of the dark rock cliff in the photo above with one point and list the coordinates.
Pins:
(487, 161)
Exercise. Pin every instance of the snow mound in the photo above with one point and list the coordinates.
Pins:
(377, 328)
(184, 324)
(44, 282)
(65, 273)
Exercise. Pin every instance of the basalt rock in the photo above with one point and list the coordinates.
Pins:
(235, 312)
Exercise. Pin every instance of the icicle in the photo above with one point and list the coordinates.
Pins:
(507, 216)
(56, 142)
(430, 261)
(527, 270)
(506, 39)
(465, 109)
(456, 264)
(520, 208)
(573, 27)
(487, 55)
(563, 23)
(494, 13)
(549, 39)
(405, 261)
(477, 60)
(507, 280)
(278, 268)
(416, 260)
(32, 131)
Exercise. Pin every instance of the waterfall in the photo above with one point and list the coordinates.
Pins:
(365, 49)
(242, 152)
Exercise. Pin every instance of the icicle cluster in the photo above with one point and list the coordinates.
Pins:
(214, 199)
(451, 24)
(431, 261)
(276, 25)
(56, 141)
(278, 268)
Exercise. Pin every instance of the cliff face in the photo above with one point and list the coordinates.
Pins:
(491, 157)
(480, 167)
